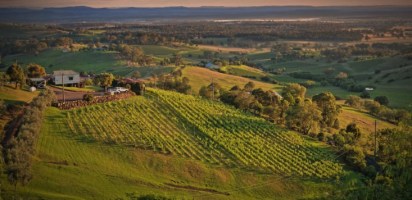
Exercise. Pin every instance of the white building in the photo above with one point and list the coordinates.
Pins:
(66, 77)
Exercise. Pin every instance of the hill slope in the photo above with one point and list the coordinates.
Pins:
(202, 77)
(175, 145)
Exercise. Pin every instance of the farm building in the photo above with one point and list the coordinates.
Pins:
(211, 66)
(66, 77)
(37, 82)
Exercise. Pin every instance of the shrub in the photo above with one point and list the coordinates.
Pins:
(365, 94)
(88, 97)
(383, 100)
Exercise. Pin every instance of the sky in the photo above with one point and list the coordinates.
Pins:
(193, 3)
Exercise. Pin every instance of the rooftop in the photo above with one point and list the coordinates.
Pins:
(64, 72)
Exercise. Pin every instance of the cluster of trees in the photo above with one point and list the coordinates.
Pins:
(174, 81)
(389, 175)
(342, 53)
(16, 74)
(332, 77)
(32, 45)
(134, 54)
(19, 149)
(378, 108)
(291, 109)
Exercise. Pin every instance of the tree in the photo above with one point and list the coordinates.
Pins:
(249, 86)
(136, 75)
(304, 117)
(355, 156)
(354, 101)
(16, 74)
(365, 95)
(212, 91)
(296, 91)
(4, 78)
(327, 104)
(372, 106)
(35, 71)
(104, 80)
(394, 156)
(383, 100)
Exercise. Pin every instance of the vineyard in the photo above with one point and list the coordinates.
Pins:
(186, 126)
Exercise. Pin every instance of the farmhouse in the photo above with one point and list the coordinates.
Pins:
(66, 77)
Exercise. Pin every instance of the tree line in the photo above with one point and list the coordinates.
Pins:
(19, 149)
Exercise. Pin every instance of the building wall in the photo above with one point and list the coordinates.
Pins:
(68, 79)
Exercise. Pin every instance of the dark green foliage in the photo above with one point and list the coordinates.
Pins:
(355, 156)
(174, 82)
(88, 97)
(383, 100)
(16, 74)
(327, 104)
(365, 95)
(304, 117)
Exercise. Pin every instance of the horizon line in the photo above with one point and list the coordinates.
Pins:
(258, 6)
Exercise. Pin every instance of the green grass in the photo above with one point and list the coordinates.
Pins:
(157, 50)
(89, 61)
(88, 153)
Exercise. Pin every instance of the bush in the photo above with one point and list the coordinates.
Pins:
(365, 94)
(355, 157)
(88, 97)
(383, 100)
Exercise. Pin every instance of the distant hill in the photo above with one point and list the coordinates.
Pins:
(87, 14)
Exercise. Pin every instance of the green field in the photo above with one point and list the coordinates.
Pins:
(178, 146)
(393, 79)
(87, 61)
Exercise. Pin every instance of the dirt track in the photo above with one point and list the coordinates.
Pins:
(70, 95)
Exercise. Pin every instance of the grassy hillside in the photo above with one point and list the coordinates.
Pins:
(174, 145)
(201, 77)
(11, 95)
(243, 70)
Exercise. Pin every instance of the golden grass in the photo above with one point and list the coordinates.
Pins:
(201, 77)
(365, 121)
(11, 95)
